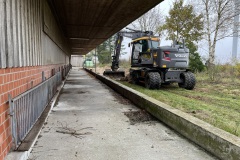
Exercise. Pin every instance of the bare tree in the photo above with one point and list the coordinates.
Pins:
(218, 21)
(150, 21)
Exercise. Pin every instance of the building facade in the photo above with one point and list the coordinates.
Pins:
(32, 49)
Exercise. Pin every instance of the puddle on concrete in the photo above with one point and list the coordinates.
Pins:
(64, 108)
(73, 92)
(66, 92)
(77, 78)
(74, 82)
(67, 86)
(139, 117)
(81, 92)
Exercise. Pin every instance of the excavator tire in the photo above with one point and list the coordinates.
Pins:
(153, 80)
(188, 79)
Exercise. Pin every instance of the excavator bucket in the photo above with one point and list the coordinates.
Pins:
(114, 74)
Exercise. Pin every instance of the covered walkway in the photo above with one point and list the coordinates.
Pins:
(88, 122)
(37, 40)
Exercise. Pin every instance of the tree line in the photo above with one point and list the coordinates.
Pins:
(195, 21)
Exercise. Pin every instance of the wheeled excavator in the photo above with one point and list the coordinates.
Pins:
(151, 64)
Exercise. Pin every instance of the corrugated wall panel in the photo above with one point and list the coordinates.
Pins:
(24, 41)
(50, 27)
(35, 55)
(22, 38)
(27, 32)
(32, 59)
(52, 39)
(9, 50)
(15, 35)
(39, 27)
(32, 52)
(2, 34)
(19, 30)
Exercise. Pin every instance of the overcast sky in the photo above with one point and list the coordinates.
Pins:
(223, 48)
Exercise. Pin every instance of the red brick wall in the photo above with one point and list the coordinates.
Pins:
(15, 81)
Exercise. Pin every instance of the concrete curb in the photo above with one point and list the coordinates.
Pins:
(216, 141)
(24, 155)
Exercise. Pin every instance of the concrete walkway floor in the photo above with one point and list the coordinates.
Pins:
(88, 123)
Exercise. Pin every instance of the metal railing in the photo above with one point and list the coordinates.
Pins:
(65, 70)
(26, 108)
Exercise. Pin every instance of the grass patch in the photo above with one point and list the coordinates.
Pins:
(217, 103)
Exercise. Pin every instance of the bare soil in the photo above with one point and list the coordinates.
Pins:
(139, 116)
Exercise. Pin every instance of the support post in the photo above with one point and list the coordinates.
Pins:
(95, 60)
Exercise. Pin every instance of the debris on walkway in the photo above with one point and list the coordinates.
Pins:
(67, 130)
(139, 116)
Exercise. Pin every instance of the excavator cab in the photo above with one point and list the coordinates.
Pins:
(142, 51)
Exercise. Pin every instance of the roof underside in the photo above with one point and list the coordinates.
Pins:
(88, 23)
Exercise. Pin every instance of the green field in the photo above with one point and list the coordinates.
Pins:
(216, 102)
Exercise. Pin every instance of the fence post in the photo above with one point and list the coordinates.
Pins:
(43, 76)
(13, 121)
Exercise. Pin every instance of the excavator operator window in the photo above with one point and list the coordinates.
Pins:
(137, 48)
(154, 44)
(141, 51)
(144, 46)
(145, 54)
